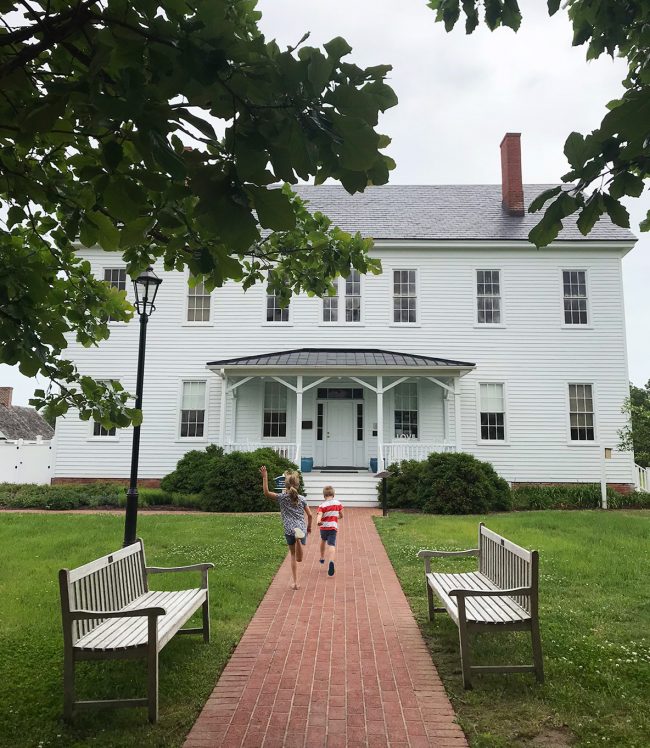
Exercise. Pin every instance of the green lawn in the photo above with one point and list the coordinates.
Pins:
(246, 551)
(595, 620)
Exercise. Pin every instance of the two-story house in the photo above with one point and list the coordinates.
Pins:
(471, 339)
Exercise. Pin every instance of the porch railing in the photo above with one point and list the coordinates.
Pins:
(284, 449)
(412, 450)
(642, 478)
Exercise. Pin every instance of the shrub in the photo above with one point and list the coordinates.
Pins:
(448, 483)
(234, 483)
(192, 471)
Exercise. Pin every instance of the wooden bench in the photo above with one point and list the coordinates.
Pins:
(501, 596)
(109, 612)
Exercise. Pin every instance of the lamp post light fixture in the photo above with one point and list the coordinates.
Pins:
(384, 491)
(146, 288)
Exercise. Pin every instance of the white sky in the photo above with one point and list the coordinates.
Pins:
(458, 95)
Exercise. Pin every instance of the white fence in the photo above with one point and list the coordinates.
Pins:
(642, 478)
(26, 463)
(284, 449)
(406, 449)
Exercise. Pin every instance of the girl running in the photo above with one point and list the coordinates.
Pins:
(293, 508)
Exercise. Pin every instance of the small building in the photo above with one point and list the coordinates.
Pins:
(26, 454)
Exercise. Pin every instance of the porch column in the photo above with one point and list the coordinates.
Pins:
(222, 412)
(457, 415)
(380, 423)
(299, 392)
(445, 417)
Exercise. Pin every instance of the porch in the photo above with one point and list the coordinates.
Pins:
(340, 408)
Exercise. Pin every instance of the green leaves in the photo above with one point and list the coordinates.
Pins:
(617, 154)
(337, 48)
(157, 135)
(273, 208)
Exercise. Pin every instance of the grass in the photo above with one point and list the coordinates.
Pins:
(246, 551)
(595, 620)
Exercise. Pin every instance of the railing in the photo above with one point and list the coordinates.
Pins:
(642, 478)
(284, 449)
(407, 449)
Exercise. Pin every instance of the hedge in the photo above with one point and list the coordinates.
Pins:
(575, 496)
(86, 496)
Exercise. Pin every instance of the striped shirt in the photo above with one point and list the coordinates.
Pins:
(330, 509)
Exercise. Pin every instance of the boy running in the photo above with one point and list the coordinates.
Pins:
(329, 513)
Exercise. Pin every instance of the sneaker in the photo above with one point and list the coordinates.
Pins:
(330, 569)
(298, 533)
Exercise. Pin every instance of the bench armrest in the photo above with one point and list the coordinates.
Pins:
(89, 615)
(491, 593)
(192, 567)
(203, 568)
(428, 555)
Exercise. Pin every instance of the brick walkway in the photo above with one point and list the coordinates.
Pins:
(340, 662)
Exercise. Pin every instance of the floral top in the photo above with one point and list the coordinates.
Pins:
(292, 516)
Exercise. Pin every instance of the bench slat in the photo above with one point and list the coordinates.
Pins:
(481, 610)
(124, 633)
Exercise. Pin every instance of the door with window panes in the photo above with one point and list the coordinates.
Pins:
(340, 432)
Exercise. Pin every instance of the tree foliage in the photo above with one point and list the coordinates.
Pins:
(635, 436)
(160, 131)
(613, 161)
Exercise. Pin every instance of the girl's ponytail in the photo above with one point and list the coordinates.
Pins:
(291, 486)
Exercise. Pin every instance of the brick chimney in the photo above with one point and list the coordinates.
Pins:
(511, 185)
(5, 396)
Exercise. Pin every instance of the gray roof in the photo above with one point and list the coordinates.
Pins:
(17, 422)
(441, 212)
(335, 357)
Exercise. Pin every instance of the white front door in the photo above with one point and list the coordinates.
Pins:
(339, 433)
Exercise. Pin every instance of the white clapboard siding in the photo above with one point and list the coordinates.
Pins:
(532, 353)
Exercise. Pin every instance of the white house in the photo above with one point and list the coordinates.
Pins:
(471, 339)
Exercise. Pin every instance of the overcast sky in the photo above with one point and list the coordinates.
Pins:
(458, 95)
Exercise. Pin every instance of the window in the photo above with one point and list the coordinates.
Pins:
(275, 410)
(331, 305)
(320, 412)
(492, 412)
(340, 393)
(198, 303)
(274, 312)
(359, 422)
(488, 297)
(406, 410)
(353, 297)
(193, 410)
(98, 429)
(404, 296)
(351, 310)
(575, 297)
(115, 277)
(581, 412)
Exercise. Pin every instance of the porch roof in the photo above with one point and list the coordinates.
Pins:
(337, 358)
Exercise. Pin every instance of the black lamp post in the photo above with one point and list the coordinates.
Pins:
(146, 288)
(384, 491)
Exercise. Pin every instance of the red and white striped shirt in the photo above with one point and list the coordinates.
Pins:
(330, 510)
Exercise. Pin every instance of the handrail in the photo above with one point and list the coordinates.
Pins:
(642, 476)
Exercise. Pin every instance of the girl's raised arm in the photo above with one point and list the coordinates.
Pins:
(265, 484)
